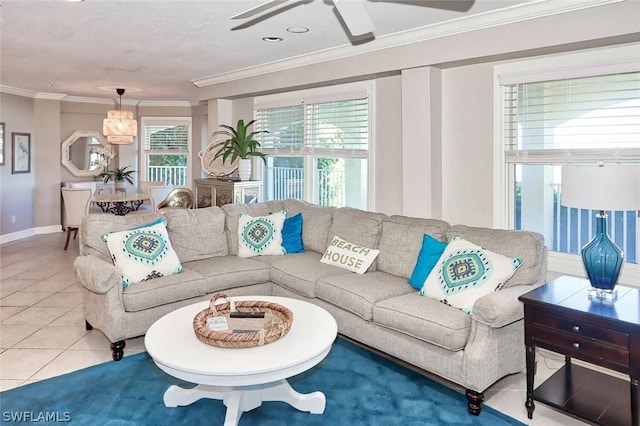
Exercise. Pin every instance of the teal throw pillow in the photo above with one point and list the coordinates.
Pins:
(292, 234)
(143, 253)
(430, 252)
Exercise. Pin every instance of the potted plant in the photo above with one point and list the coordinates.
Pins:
(120, 176)
(241, 145)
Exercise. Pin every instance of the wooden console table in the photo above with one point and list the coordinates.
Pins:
(218, 192)
(560, 317)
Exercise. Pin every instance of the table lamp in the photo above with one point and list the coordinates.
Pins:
(601, 188)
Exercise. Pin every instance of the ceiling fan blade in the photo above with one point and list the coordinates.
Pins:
(354, 16)
(258, 9)
(452, 5)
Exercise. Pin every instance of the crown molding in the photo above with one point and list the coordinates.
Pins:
(181, 104)
(17, 91)
(50, 96)
(511, 14)
(86, 100)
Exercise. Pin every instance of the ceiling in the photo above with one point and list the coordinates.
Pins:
(156, 49)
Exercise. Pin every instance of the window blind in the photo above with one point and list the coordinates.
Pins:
(284, 124)
(166, 137)
(572, 118)
(335, 125)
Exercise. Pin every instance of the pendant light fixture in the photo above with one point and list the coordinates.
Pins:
(119, 127)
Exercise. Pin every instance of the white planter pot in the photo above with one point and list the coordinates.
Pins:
(244, 168)
(121, 185)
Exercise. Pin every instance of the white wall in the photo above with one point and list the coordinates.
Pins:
(47, 179)
(467, 157)
(386, 156)
(17, 190)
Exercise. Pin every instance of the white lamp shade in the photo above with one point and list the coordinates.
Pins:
(120, 140)
(601, 188)
(119, 127)
(119, 114)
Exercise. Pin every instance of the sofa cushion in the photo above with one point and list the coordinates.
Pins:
(357, 226)
(229, 272)
(261, 235)
(401, 241)
(359, 293)
(300, 272)
(163, 290)
(316, 221)
(271, 260)
(425, 319)
(232, 214)
(95, 225)
(465, 272)
(197, 233)
(349, 256)
(526, 245)
(143, 252)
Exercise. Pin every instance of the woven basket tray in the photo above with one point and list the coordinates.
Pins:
(275, 324)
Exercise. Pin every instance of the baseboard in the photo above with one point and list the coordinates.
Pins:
(52, 229)
(26, 233)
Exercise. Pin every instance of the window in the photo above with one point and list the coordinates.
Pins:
(166, 148)
(317, 149)
(548, 123)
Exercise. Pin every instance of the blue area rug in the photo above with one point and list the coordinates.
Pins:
(362, 388)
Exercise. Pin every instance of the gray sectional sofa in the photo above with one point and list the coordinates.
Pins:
(378, 308)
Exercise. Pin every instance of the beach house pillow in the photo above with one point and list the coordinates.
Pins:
(465, 272)
(429, 254)
(261, 235)
(143, 253)
(349, 256)
(292, 234)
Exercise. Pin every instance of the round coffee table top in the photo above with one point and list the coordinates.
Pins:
(175, 349)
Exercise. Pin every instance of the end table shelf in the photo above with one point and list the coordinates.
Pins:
(560, 317)
(586, 393)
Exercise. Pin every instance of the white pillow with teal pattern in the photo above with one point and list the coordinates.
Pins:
(465, 272)
(261, 235)
(143, 253)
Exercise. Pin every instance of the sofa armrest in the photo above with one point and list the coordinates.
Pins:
(501, 307)
(96, 275)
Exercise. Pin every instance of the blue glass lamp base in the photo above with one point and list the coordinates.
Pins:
(602, 259)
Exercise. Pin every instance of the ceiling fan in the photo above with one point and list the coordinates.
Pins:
(352, 12)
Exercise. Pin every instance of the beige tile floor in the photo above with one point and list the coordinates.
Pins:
(42, 331)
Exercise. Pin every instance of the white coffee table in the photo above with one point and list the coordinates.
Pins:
(242, 378)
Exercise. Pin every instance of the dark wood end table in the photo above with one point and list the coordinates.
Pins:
(560, 317)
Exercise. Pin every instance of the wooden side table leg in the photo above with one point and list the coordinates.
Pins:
(635, 396)
(531, 361)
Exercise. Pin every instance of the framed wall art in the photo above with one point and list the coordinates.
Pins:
(1, 144)
(21, 154)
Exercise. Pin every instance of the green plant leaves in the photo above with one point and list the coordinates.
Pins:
(118, 174)
(241, 142)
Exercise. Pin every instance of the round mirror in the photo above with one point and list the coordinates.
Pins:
(86, 153)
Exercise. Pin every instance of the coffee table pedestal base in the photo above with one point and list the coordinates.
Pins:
(246, 398)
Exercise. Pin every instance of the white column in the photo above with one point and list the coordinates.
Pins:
(421, 142)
